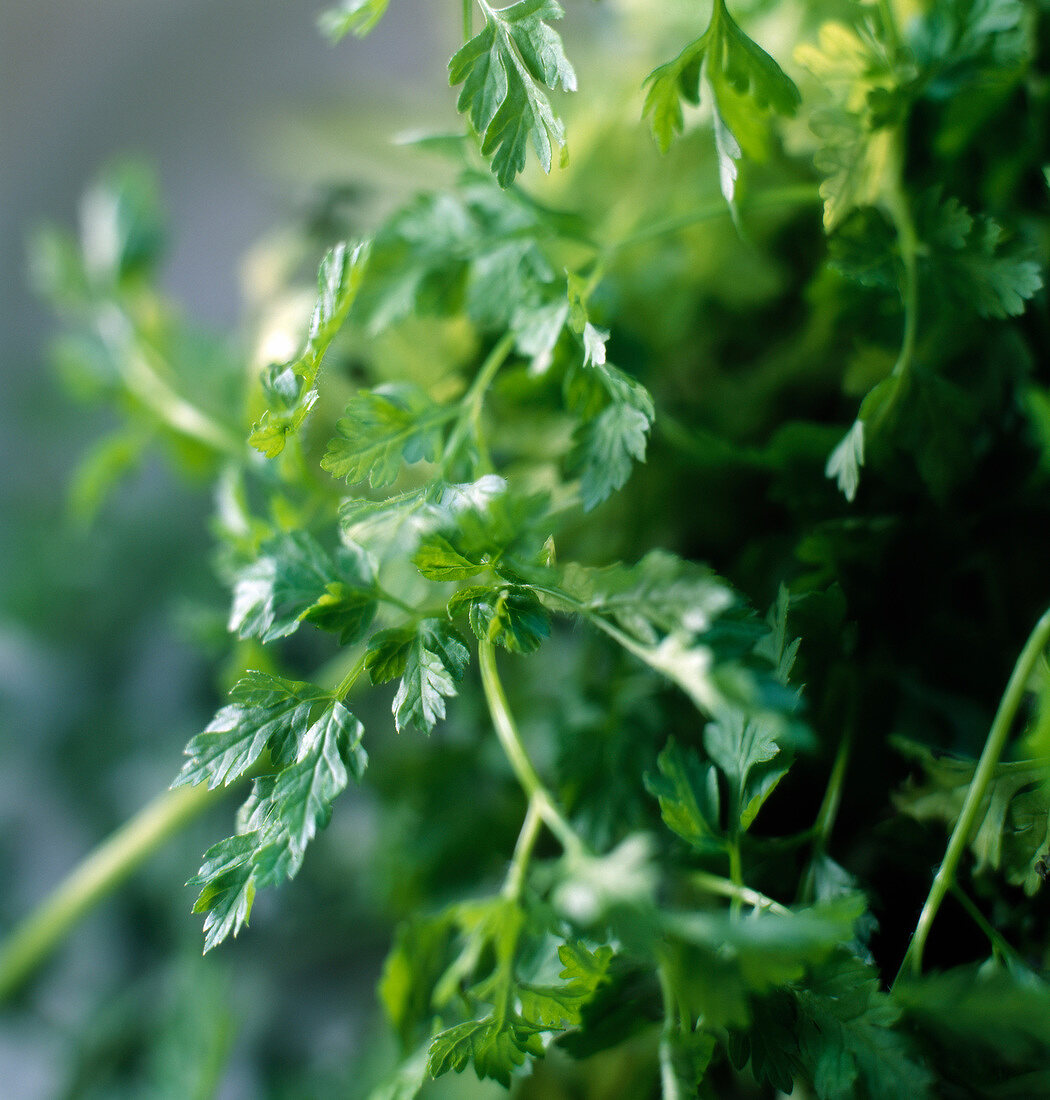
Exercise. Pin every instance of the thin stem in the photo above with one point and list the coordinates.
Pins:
(736, 871)
(889, 21)
(468, 20)
(396, 601)
(829, 807)
(668, 1076)
(470, 415)
(519, 865)
(512, 745)
(348, 681)
(157, 395)
(794, 195)
(995, 938)
(107, 866)
(715, 884)
(993, 749)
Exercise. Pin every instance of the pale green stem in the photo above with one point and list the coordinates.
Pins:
(510, 740)
(723, 887)
(519, 866)
(993, 750)
(829, 807)
(106, 867)
(468, 20)
(158, 396)
(668, 1077)
(736, 871)
(348, 681)
(470, 414)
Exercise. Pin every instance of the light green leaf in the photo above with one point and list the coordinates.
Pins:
(494, 1048)
(732, 59)
(846, 459)
(438, 560)
(382, 429)
(356, 17)
(435, 661)
(615, 429)
(282, 815)
(504, 70)
(289, 387)
(330, 752)
(266, 713)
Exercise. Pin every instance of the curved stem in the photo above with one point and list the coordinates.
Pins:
(829, 807)
(108, 865)
(510, 740)
(519, 865)
(993, 749)
(157, 395)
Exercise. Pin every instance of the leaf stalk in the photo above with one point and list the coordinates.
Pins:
(510, 740)
(993, 750)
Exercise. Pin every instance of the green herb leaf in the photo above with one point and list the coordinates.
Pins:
(688, 793)
(733, 61)
(281, 818)
(382, 429)
(295, 579)
(267, 712)
(503, 70)
(506, 615)
(494, 1048)
(434, 662)
(289, 388)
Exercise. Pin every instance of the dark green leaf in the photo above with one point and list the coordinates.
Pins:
(688, 794)
(508, 615)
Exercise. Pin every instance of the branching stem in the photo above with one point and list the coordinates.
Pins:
(469, 418)
(993, 750)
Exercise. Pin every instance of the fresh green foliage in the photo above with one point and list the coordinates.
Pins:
(504, 70)
(547, 402)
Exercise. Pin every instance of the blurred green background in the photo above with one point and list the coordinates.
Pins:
(246, 112)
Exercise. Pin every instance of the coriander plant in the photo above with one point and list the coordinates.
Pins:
(675, 479)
